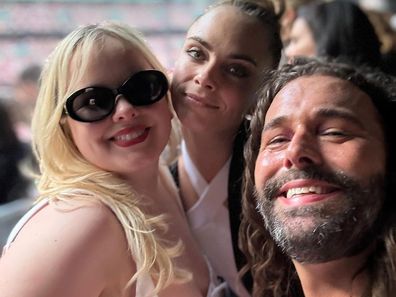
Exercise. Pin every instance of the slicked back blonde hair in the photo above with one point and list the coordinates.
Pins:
(65, 174)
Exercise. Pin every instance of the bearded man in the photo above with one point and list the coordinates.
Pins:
(319, 207)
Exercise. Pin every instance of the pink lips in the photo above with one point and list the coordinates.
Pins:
(200, 101)
(130, 136)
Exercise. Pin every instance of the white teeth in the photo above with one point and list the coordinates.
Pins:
(129, 136)
(304, 190)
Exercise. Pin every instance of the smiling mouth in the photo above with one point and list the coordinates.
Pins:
(290, 193)
(130, 136)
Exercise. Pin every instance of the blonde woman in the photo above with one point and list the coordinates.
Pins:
(107, 221)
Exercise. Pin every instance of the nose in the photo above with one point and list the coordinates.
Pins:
(124, 110)
(302, 151)
(206, 77)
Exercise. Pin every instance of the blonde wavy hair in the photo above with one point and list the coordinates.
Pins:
(65, 174)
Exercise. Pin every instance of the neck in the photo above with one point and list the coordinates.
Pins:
(209, 152)
(147, 181)
(344, 277)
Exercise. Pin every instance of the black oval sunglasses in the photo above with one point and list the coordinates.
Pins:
(95, 103)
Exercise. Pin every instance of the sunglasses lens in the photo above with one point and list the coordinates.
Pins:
(95, 103)
(145, 87)
(91, 104)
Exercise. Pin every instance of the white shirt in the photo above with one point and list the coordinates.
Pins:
(210, 223)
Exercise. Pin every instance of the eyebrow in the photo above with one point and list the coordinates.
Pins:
(321, 113)
(339, 113)
(274, 123)
(232, 56)
(201, 41)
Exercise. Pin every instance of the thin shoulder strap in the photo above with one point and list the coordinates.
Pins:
(22, 222)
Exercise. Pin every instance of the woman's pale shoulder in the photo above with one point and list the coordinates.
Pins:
(74, 224)
(77, 242)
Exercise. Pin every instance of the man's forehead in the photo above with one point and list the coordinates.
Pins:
(315, 95)
(322, 89)
(320, 81)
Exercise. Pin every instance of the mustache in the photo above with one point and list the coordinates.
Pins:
(273, 185)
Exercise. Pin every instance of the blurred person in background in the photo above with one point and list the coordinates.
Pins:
(378, 5)
(387, 35)
(218, 69)
(289, 16)
(13, 184)
(25, 96)
(338, 29)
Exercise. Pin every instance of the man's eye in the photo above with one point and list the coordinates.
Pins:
(195, 53)
(277, 141)
(336, 133)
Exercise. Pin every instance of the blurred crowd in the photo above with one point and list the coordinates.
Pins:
(17, 162)
(340, 29)
(16, 157)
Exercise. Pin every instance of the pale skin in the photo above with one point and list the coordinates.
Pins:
(67, 251)
(214, 76)
(301, 40)
(80, 249)
(333, 125)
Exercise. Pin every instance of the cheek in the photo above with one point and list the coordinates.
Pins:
(267, 165)
(174, 79)
(74, 132)
(178, 83)
(83, 137)
(166, 124)
(164, 110)
(181, 70)
(80, 138)
(358, 159)
(164, 115)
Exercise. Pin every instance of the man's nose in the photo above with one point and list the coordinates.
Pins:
(302, 151)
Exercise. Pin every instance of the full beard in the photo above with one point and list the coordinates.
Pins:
(330, 229)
